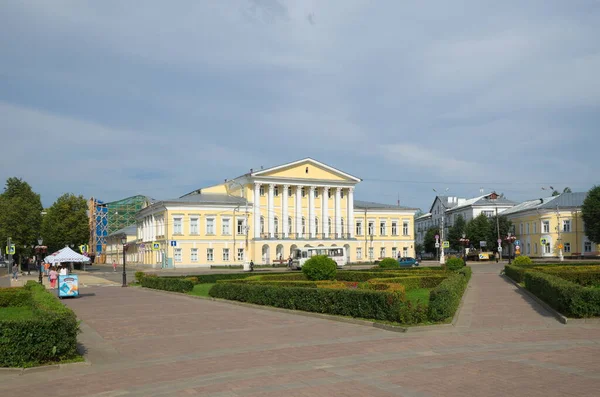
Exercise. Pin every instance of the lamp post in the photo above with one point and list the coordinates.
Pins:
(510, 239)
(40, 249)
(464, 241)
(124, 243)
(442, 257)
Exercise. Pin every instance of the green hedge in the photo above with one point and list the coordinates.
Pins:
(445, 298)
(50, 336)
(275, 283)
(354, 303)
(515, 272)
(585, 275)
(414, 282)
(167, 284)
(569, 298)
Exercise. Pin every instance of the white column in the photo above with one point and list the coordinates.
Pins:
(271, 209)
(256, 201)
(311, 211)
(153, 221)
(350, 217)
(284, 211)
(298, 211)
(325, 212)
(338, 212)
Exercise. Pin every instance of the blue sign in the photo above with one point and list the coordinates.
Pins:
(68, 286)
(173, 243)
(518, 242)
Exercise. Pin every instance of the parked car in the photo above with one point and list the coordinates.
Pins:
(408, 262)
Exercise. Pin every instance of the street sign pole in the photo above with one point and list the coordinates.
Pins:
(8, 247)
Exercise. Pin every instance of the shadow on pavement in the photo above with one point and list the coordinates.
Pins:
(532, 303)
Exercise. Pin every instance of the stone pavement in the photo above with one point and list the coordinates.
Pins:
(85, 280)
(147, 343)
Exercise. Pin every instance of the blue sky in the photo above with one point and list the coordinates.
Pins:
(111, 99)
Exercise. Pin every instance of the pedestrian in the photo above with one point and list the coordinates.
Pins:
(290, 262)
(251, 265)
(114, 266)
(15, 271)
(53, 275)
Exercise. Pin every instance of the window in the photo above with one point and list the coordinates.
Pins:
(489, 214)
(329, 226)
(371, 253)
(303, 192)
(289, 191)
(177, 226)
(567, 247)
(303, 225)
(521, 229)
(276, 191)
(405, 252)
(329, 193)
(359, 228)
(225, 254)
(240, 254)
(276, 225)
(194, 255)
(316, 193)
(547, 249)
(382, 252)
(566, 225)
(177, 254)
(342, 226)
(194, 226)
(316, 225)
(394, 228)
(358, 253)
(240, 226)
(545, 226)
(587, 246)
(226, 227)
(371, 228)
(405, 228)
(394, 252)
(209, 254)
(262, 224)
(342, 193)
(290, 228)
(210, 226)
(262, 190)
(527, 228)
(535, 248)
(534, 228)
(382, 228)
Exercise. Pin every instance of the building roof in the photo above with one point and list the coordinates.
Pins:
(483, 201)
(128, 231)
(207, 198)
(368, 205)
(306, 159)
(564, 200)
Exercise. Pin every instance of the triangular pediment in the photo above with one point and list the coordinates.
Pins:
(306, 169)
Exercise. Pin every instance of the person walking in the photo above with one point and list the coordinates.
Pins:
(114, 266)
(15, 271)
(53, 276)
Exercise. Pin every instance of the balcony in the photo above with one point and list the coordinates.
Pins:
(304, 236)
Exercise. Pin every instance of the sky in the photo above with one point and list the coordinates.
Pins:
(110, 99)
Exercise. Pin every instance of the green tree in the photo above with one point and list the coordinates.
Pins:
(456, 231)
(505, 227)
(429, 240)
(66, 222)
(590, 212)
(478, 229)
(567, 190)
(20, 215)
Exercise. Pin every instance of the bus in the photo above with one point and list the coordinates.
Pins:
(301, 255)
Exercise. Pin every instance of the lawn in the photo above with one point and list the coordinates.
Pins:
(201, 289)
(421, 294)
(16, 313)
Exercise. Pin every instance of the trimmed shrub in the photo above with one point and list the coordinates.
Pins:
(445, 298)
(168, 284)
(587, 276)
(522, 260)
(14, 297)
(515, 272)
(345, 302)
(411, 283)
(454, 264)
(319, 267)
(285, 276)
(568, 298)
(139, 276)
(388, 263)
(48, 337)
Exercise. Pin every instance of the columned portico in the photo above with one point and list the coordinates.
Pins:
(311, 211)
(256, 200)
(271, 210)
(298, 208)
(284, 211)
(350, 210)
(338, 212)
(325, 211)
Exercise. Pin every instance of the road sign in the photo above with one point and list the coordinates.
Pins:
(173, 243)
(517, 248)
(83, 248)
(499, 241)
(437, 245)
(437, 236)
(560, 246)
(518, 252)
(543, 241)
(11, 250)
(483, 243)
(446, 244)
(155, 246)
(518, 242)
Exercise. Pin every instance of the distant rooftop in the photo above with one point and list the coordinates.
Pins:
(378, 206)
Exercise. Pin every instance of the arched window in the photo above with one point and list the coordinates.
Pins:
(262, 224)
(303, 225)
(342, 226)
(316, 225)
(290, 228)
(276, 225)
(329, 225)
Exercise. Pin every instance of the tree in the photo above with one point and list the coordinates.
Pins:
(478, 229)
(567, 190)
(456, 231)
(429, 240)
(505, 227)
(20, 215)
(419, 213)
(590, 212)
(66, 222)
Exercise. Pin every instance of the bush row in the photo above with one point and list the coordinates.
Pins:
(445, 298)
(582, 275)
(569, 298)
(354, 303)
(167, 284)
(515, 272)
(411, 283)
(51, 335)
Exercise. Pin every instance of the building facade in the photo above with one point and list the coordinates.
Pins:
(547, 227)
(264, 215)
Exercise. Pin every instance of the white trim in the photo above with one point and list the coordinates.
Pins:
(306, 160)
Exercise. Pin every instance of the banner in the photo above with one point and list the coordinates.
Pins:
(68, 286)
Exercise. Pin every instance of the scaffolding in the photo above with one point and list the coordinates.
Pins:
(106, 218)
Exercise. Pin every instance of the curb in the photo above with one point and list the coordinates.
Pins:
(562, 319)
(44, 368)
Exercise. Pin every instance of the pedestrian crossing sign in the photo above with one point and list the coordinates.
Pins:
(10, 250)
(83, 248)
(155, 246)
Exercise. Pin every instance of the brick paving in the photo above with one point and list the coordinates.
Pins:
(147, 343)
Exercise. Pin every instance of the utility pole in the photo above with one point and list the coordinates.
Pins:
(8, 247)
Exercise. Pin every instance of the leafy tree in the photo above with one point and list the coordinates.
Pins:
(20, 215)
(429, 240)
(505, 227)
(478, 229)
(590, 212)
(456, 231)
(555, 193)
(419, 248)
(66, 222)
(567, 190)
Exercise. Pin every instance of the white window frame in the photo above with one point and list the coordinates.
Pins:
(527, 228)
(210, 226)
(404, 252)
(240, 254)
(210, 254)
(382, 252)
(545, 228)
(262, 224)
(534, 227)
(394, 228)
(359, 228)
(566, 226)
(394, 252)
(371, 253)
(226, 222)
(567, 248)
(358, 253)
(290, 225)
(194, 254)
(405, 228)
(261, 190)
(177, 255)
(276, 225)
(382, 228)
(226, 255)
(194, 225)
(587, 246)
(240, 222)
(178, 225)
(371, 228)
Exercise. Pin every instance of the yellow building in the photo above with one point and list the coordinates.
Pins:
(264, 215)
(551, 227)
(114, 246)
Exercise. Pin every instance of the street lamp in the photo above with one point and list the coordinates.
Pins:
(510, 239)
(464, 241)
(442, 258)
(124, 243)
(40, 249)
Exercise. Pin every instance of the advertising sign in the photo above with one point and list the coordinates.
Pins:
(68, 286)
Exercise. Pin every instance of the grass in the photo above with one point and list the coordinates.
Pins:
(419, 294)
(16, 313)
(201, 289)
